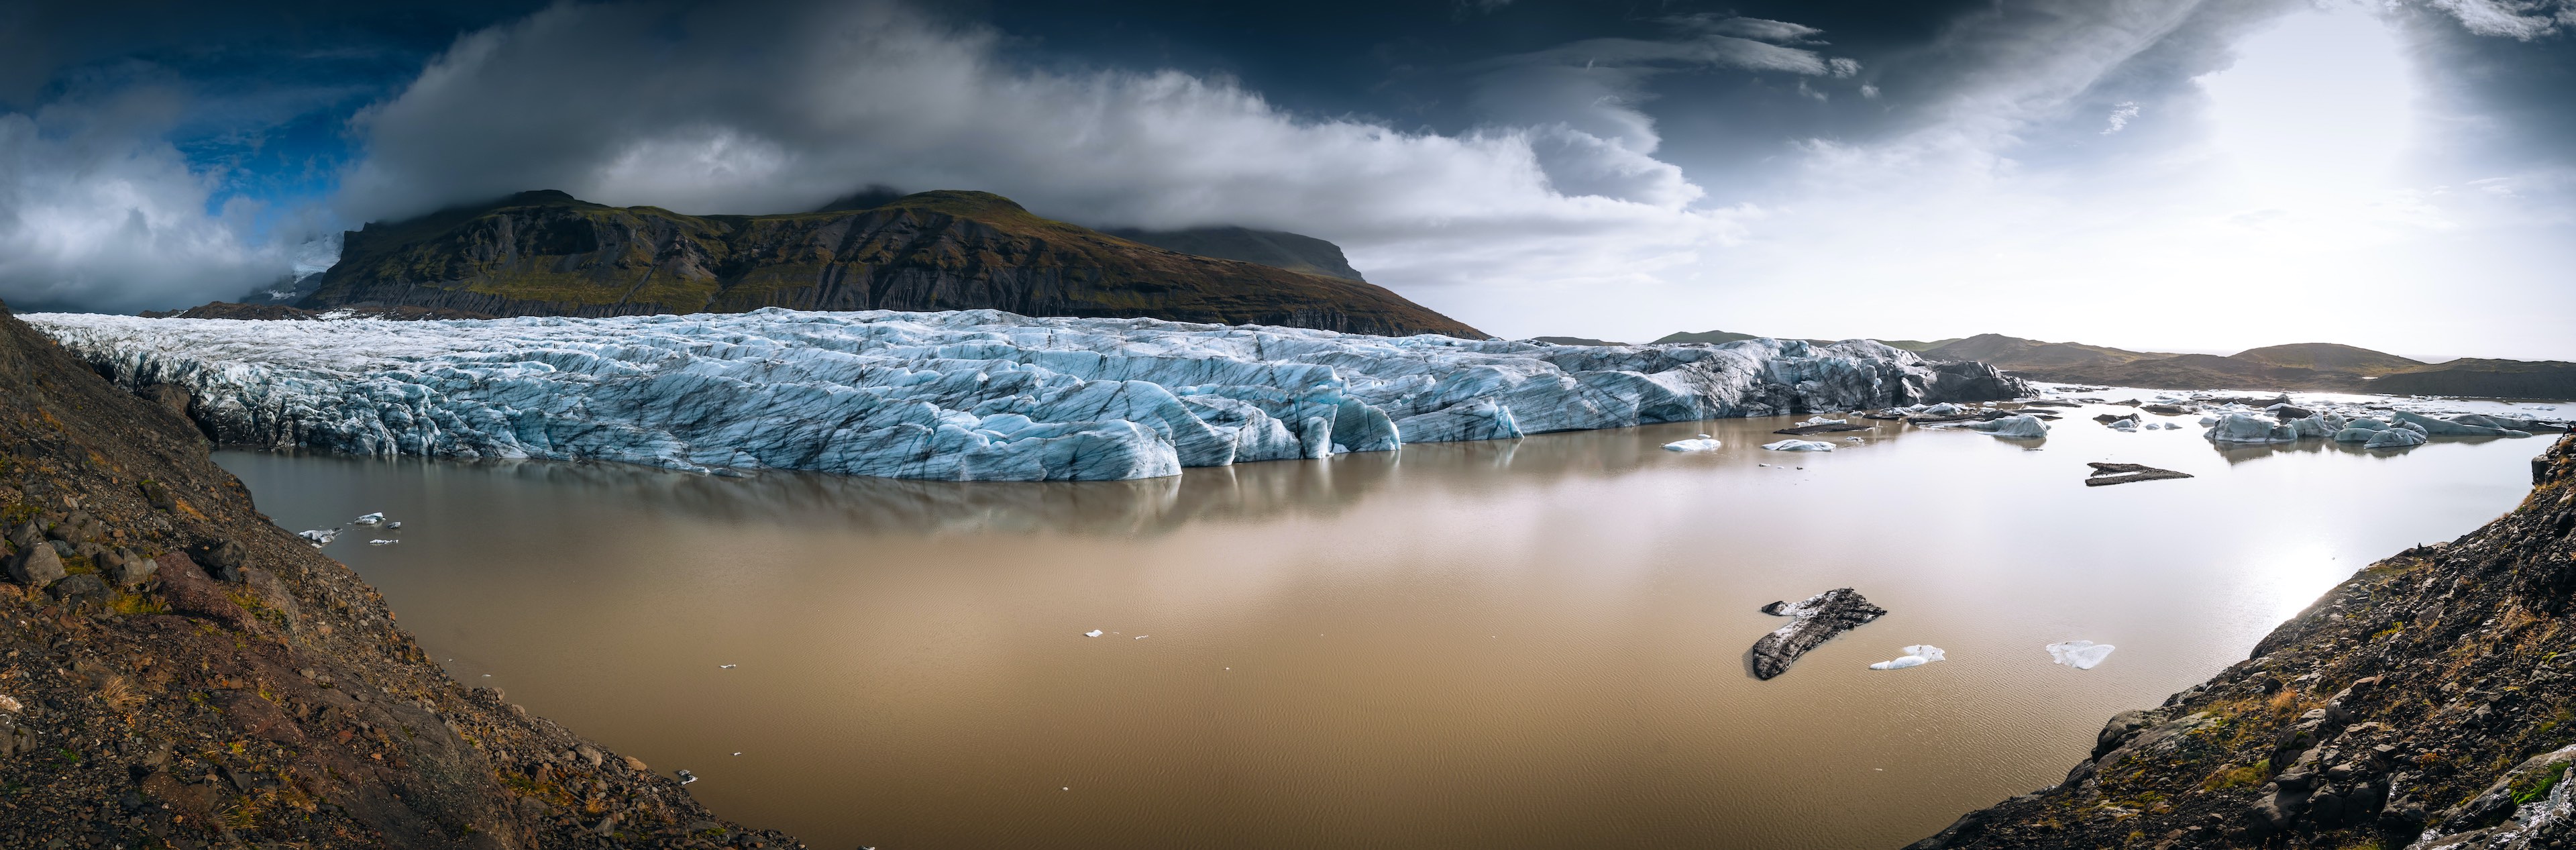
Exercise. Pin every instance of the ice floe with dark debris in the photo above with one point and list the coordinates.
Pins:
(1799, 446)
(1702, 443)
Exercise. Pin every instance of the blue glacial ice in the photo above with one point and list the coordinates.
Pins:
(969, 395)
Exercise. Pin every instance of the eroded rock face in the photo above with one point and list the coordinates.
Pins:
(2423, 704)
(145, 702)
(1814, 620)
(974, 395)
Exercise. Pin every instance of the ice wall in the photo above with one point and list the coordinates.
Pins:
(970, 395)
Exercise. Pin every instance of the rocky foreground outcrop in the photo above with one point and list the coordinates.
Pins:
(2424, 703)
(546, 253)
(177, 671)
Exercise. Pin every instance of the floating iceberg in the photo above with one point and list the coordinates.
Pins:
(1092, 633)
(2394, 438)
(970, 395)
(2249, 428)
(2456, 427)
(1799, 446)
(370, 519)
(319, 537)
(382, 542)
(1704, 443)
(2080, 654)
(1915, 656)
(2015, 427)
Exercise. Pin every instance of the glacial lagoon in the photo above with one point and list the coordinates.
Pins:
(1522, 643)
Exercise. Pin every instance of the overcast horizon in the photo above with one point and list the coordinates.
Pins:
(2151, 174)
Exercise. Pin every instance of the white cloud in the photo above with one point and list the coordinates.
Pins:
(97, 212)
(2517, 19)
(2279, 180)
(2119, 117)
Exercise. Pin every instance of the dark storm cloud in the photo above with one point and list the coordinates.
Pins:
(163, 149)
(161, 153)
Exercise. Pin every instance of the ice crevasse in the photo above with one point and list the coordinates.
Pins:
(966, 395)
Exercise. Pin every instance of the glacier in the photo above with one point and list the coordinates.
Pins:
(975, 395)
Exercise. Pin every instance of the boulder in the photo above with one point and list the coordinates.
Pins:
(37, 567)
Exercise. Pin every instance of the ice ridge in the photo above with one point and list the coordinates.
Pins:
(966, 395)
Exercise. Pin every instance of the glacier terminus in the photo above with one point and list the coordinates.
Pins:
(976, 395)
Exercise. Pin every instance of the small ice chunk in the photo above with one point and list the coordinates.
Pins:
(1800, 446)
(2393, 438)
(1142, 637)
(2022, 427)
(686, 777)
(1853, 440)
(1818, 420)
(2079, 654)
(1704, 443)
(319, 537)
(727, 666)
(371, 519)
(1915, 656)
(1092, 633)
(382, 542)
(396, 524)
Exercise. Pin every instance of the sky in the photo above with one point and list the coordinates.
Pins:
(2157, 174)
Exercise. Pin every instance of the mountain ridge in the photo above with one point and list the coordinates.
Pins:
(545, 252)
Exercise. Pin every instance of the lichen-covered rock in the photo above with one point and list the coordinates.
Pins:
(971, 395)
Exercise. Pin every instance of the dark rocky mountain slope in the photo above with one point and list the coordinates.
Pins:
(2425, 702)
(1274, 248)
(547, 253)
(177, 671)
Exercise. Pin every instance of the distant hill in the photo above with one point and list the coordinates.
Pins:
(2551, 379)
(2329, 357)
(2015, 353)
(1708, 337)
(1273, 248)
(2301, 366)
(548, 253)
(1917, 346)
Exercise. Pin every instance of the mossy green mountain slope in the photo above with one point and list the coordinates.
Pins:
(548, 253)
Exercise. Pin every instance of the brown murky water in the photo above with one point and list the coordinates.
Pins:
(1536, 643)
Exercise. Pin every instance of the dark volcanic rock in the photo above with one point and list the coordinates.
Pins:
(2106, 474)
(1804, 430)
(1818, 619)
